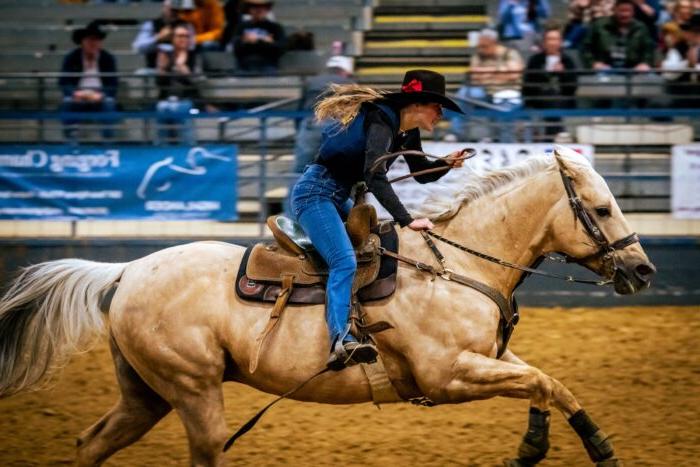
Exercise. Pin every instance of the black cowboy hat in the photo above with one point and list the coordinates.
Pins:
(93, 29)
(423, 86)
(693, 23)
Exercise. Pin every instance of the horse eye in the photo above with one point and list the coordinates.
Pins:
(602, 212)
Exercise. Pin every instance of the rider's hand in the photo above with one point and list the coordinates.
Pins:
(456, 159)
(421, 224)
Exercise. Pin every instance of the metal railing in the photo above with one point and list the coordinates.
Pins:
(267, 130)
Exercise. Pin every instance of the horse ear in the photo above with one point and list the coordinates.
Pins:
(564, 157)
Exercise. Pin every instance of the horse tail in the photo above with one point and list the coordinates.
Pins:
(51, 311)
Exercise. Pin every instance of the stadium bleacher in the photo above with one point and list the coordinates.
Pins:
(387, 37)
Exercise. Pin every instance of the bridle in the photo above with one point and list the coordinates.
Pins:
(606, 249)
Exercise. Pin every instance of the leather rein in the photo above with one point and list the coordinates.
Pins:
(606, 249)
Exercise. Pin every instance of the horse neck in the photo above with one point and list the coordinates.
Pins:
(512, 224)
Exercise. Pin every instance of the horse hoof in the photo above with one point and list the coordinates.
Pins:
(612, 462)
(516, 463)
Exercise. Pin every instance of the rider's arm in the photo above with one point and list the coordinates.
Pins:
(416, 164)
(378, 143)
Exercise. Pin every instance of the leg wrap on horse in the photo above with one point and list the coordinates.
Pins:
(594, 439)
(535, 443)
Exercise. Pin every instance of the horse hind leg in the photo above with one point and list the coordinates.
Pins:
(203, 416)
(139, 408)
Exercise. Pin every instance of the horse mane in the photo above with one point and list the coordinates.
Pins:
(441, 205)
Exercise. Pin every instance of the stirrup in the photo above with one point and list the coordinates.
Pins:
(351, 353)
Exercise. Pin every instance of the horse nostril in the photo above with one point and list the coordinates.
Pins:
(644, 270)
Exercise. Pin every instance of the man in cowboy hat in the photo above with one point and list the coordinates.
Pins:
(258, 42)
(87, 79)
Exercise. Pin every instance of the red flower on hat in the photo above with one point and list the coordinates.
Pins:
(412, 86)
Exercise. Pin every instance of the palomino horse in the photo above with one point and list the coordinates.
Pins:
(178, 330)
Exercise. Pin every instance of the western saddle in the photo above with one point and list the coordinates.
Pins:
(290, 270)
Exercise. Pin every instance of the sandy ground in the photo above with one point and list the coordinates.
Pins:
(636, 371)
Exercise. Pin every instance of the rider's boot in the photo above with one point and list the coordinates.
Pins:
(348, 351)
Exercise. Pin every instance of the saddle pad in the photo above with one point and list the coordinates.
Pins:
(315, 293)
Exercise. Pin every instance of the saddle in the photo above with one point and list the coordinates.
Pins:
(290, 271)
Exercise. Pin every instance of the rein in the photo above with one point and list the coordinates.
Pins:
(467, 154)
(505, 263)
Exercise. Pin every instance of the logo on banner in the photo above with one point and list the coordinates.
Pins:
(170, 175)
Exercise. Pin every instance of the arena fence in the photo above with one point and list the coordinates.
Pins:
(630, 117)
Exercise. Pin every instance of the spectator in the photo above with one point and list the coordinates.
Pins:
(84, 87)
(207, 19)
(647, 12)
(494, 77)
(494, 67)
(154, 34)
(549, 75)
(519, 21)
(232, 13)
(581, 14)
(258, 42)
(339, 70)
(675, 49)
(619, 42)
(682, 12)
(177, 68)
(687, 85)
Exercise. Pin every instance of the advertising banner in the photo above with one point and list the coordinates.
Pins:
(139, 182)
(489, 156)
(685, 181)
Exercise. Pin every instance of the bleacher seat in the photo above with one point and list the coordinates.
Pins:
(251, 89)
(218, 62)
(302, 62)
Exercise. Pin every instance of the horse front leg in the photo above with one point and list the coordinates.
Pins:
(476, 377)
(535, 443)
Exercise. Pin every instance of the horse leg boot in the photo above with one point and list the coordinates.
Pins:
(137, 411)
(535, 443)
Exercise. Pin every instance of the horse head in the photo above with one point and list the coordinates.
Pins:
(589, 228)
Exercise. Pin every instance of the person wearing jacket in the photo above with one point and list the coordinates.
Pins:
(619, 41)
(364, 125)
(87, 78)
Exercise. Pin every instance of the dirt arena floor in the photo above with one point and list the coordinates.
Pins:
(636, 371)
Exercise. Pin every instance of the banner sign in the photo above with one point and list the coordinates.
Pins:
(140, 182)
(685, 181)
(489, 156)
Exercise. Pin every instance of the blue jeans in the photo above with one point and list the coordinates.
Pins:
(174, 123)
(107, 104)
(320, 203)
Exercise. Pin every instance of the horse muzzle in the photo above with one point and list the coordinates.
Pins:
(629, 279)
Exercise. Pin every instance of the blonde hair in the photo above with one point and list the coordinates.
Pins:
(344, 101)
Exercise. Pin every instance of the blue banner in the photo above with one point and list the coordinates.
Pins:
(139, 182)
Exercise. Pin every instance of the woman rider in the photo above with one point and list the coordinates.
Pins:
(365, 124)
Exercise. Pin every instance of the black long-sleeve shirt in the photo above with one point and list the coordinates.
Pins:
(380, 140)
